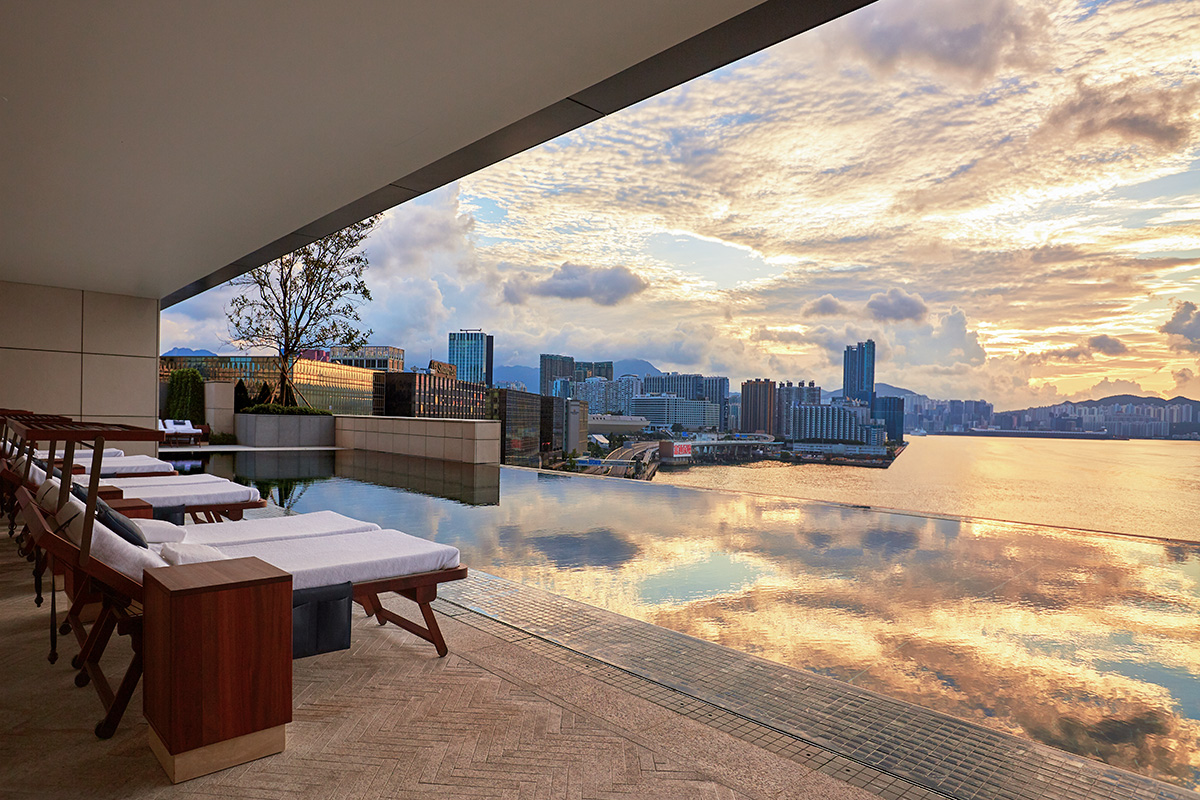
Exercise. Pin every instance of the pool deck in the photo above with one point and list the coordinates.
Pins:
(540, 696)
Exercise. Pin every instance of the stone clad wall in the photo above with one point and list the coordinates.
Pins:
(86, 355)
(473, 441)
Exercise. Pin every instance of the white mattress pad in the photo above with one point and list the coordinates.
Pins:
(356, 557)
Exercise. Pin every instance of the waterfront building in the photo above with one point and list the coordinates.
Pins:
(758, 406)
(891, 411)
(471, 353)
(413, 394)
(688, 385)
(665, 410)
(858, 371)
(379, 357)
(552, 367)
(520, 416)
(331, 387)
(848, 422)
(628, 387)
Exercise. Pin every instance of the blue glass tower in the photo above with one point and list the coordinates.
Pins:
(858, 372)
(471, 354)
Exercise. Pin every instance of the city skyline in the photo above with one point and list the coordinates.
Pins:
(1002, 195)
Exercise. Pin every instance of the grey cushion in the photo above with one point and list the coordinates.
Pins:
(119, 524)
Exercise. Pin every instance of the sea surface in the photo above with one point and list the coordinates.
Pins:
(1145, 488)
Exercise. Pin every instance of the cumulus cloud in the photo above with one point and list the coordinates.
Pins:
(1187, 383)
(1183, 328)
(826, 306)
(606, 286)
(1107, 388)
(897, 305)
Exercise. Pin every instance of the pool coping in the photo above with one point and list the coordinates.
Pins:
(896, 749)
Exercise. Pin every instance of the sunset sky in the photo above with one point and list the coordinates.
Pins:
(1004, 194)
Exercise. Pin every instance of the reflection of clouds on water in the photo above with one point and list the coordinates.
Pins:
(1076, 640)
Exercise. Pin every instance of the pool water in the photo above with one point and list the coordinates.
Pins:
(1086, 642)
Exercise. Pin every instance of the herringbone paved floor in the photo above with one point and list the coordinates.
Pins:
(389, 719)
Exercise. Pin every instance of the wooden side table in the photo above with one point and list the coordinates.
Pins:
(217, 689)
(132, 507)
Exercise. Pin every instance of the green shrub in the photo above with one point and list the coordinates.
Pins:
(275, 408)
(185, 395)
(264, 394)
(241, 397)
(222, 438)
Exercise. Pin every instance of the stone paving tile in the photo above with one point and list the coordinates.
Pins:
(893, 749)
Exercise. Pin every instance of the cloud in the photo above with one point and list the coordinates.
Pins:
(1107, 388)
(1108, 345)
(1187, 382)
(826, 306)
(1183, 328)
(897, 305)
(1101, 343)
(971, 41)
(604, 286)
(1130, 111)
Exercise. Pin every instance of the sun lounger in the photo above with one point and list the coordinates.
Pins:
(374, 561)
(179, 431)
(206, 498)
(126, 465)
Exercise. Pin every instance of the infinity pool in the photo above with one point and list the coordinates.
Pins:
(1088, 643)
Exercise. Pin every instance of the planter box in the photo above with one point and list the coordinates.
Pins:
(284, 430)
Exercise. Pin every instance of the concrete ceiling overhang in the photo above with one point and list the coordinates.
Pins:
(159, 149)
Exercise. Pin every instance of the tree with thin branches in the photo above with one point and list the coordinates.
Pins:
(307, 299)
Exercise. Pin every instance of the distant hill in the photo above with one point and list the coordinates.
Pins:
(881, 390)
(526, 375)
(531, 376)
(185, 351)
(634, 366)
(1121, 399)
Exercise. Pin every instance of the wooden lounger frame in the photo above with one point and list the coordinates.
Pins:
(121, 606)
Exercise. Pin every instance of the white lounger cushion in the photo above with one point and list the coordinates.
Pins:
(176, 553)
(127, 465)
(61, 450)
(202, 494)
(126, 558)
(134, 482)
(217, 534)
(355, 557)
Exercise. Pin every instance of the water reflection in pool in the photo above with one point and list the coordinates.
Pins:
(1089, 643)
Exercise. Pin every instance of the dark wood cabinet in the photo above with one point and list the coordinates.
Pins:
(217, 689)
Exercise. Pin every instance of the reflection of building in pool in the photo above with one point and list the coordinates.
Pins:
(332, 387)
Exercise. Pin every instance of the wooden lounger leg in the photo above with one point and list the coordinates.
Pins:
(94, 645)
(115, 707)
(422, 596)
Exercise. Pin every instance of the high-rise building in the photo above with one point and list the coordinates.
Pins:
(716, 390)
(593, 369)
(758, 406)
(471, 353)
(551, 367)
(629, 387)
(688, 385)
(858, 372)
(520, 415)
